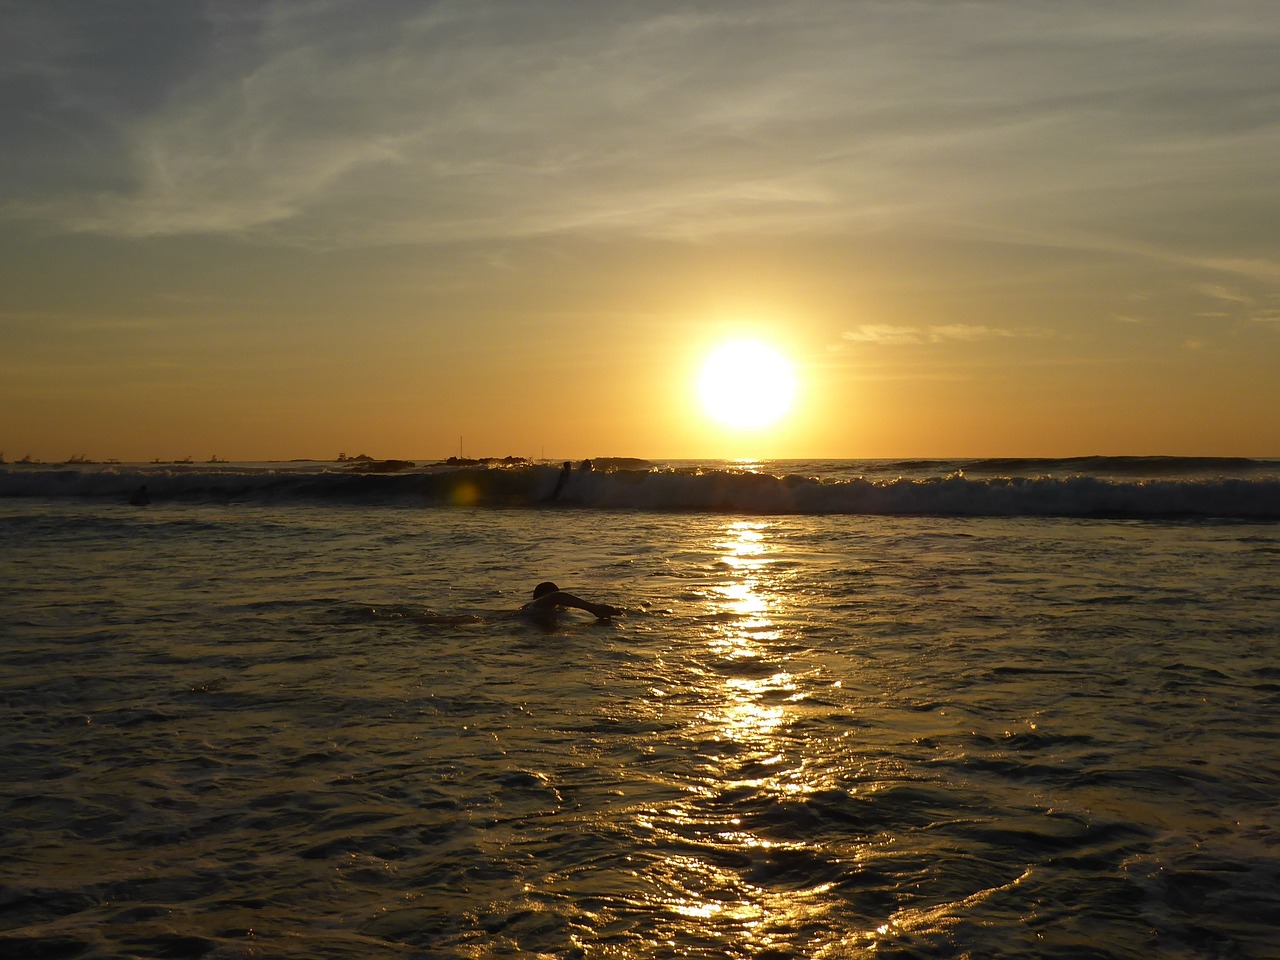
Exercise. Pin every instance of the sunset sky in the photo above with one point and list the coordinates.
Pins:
(266, 230)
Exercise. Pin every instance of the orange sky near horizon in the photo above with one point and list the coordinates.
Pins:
(290, 232)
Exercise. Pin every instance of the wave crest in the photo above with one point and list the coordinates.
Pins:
(677, 489)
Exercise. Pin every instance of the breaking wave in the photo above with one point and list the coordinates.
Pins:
(1137, 488)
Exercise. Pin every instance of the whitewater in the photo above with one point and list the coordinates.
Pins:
(1137, 487)
(853, 709)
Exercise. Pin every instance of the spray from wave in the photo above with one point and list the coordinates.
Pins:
(1123, 487)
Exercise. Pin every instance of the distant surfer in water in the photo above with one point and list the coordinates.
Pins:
(544, 609)
(548, 598)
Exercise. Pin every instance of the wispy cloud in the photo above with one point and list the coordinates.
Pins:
(1262, 270)
(354, 123)
(888, 335)
(1218, 292)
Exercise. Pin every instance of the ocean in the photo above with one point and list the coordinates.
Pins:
(911, 709)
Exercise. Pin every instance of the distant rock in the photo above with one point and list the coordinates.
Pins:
(507, 461)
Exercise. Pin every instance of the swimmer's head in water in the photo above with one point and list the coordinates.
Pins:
(542, 589)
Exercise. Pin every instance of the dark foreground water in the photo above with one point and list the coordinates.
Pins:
(303, 730)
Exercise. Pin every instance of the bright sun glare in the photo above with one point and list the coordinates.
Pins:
(746, 384)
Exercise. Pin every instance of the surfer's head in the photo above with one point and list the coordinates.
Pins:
(542, 589)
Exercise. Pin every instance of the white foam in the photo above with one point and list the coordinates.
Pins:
(681, 489)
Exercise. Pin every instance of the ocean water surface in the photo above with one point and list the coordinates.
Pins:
(1022, 710)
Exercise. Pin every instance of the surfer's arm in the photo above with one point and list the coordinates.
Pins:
(559, 598)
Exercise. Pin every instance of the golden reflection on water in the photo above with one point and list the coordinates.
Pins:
(755, 701)
(758, 700)
(744, 632)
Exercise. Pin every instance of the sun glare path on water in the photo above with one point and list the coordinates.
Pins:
(746, 384)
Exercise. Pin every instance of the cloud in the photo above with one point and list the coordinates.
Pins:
(888, 335)
(349, 123)
(1218, 292)
(884, 334)
(1238, 305)
(1265, 271)
(962, 331)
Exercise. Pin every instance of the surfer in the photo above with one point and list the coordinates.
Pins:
(564, 476)
(548, 598)
(140, 497)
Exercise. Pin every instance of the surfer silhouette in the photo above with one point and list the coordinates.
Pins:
(548, 598)
(566, 472)
(564, 476)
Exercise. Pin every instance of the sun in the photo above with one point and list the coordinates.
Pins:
(746, 385)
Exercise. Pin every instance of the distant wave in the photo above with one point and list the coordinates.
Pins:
(1148, 467)
(1091, 487)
